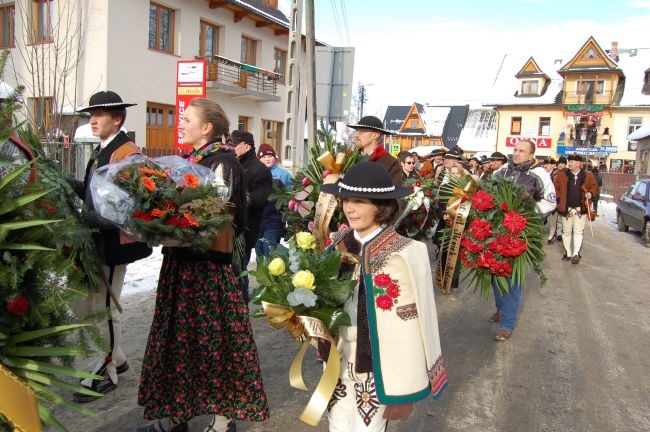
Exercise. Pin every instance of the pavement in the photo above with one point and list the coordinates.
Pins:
(577, 360)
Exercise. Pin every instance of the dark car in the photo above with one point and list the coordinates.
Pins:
(633, 210)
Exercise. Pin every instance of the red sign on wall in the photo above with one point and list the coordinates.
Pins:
(190, 84)
(538, 141)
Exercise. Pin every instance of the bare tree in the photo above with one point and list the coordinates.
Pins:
(50, 48)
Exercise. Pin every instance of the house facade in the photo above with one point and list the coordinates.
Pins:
(133, 46)
(588, 104)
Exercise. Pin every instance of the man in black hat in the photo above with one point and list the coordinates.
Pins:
(368, 133)
(485, 168)
(575, 188)
(258, 182)
(107, 115)
(474, 165)
(497, 160)
(450, 159)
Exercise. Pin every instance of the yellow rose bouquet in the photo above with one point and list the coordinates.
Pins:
(305, 280)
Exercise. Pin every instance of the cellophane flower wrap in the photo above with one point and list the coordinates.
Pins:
(305, 280)
(419, 218)
(297, 203)
(503, 236)
(163, 201)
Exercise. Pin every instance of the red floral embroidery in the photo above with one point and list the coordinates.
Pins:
(386, 291)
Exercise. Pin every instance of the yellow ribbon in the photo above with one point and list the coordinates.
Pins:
(312, 329)
(18, 403)
(327, 204)
(458, 209)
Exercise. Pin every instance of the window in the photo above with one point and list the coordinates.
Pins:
(42, 20)
(544, 126)
(160, 125)
(529, 88)
(42, 114)
(208, 40)
(161, 28)
(272, 134)
(587, 87)
(7, 26)
(633, 123)
(640, 189)
(248, 50)
(242, 123)
(280, 63)
(515, 126)
(414, 124)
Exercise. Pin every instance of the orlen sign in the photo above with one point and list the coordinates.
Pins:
(539, 142)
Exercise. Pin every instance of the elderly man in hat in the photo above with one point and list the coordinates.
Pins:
(450, 159)
(575, 188)
(536, 182)
(497, 160)
(107, 115)
(368, 133)
(474, 165)
(258, 182)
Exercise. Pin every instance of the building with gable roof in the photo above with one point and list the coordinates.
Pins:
(423, 125)
(588, 104)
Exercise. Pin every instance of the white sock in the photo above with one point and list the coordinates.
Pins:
(218, 424)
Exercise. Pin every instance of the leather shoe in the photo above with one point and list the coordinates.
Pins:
(122, 368)
(157, 426)
(551, 241)
(104, 386)
(565, 257)
(496, 317)
(502, 335)
(575, 259)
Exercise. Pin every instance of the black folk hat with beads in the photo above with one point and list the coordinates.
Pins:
(106, 100)
(366, 180)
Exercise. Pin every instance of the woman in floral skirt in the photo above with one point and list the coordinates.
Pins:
(201, 357)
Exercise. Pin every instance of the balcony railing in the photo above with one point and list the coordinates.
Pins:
(232, 77)
(597, 98)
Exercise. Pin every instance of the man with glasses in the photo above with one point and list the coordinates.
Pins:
(368, 133)
(407, 161)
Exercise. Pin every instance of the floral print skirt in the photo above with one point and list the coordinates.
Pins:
(200, 357)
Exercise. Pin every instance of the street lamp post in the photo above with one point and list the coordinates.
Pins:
(362, 97)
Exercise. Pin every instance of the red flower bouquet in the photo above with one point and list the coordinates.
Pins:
(165, 201)
(503, 234)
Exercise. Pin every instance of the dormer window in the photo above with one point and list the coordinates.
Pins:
(590, 87)
(530, 87)
(591, 54)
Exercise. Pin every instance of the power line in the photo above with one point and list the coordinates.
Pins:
(345, 22)
(336, 20)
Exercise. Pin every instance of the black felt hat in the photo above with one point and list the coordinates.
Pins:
(454, 153)
(366, 180)
(370, 122)
(549, 160)
(484, 160)
(240, 136)
(439, 152)
(106, 100)
(498, 156)
(575, 157)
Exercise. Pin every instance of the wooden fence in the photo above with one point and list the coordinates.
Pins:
(615, 184)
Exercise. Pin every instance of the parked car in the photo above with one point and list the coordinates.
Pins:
(633, 210)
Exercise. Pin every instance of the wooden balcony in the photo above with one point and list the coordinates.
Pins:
(242, 80)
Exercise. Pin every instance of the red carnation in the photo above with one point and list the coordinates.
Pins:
(504, 206)
(471, 246)
(486, 260)
(18, 306)
(482, 201)
(514, 222)
(382, 280)
(384, 302)
(393, 290)
(480, 229)
(145, 216)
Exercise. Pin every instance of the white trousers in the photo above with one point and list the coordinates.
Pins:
(354, 406)
(573, 226)
(552, 224)
(110, 327)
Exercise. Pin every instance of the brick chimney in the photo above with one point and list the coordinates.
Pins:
(273, 4)
(613, 53)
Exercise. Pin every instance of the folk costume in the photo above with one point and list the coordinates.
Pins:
(200, 356)
(391, 353)
(114, 249)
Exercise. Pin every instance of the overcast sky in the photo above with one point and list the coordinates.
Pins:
(449, 51)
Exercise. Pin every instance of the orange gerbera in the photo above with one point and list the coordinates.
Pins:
(193, 222)
(158, 212)
(191, 180)
(125, 175)
(148, 183)
(149, 171)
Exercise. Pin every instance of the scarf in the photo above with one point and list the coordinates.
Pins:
(377, 153)
(197, 154)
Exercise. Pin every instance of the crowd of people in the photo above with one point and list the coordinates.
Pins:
(201, 357)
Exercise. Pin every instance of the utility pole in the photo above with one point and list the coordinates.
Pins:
(311, 74)
(294, 121)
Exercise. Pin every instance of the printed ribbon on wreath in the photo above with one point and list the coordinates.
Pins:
(312, 329)
(327, 203)
(458, 209)
(18, 403)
